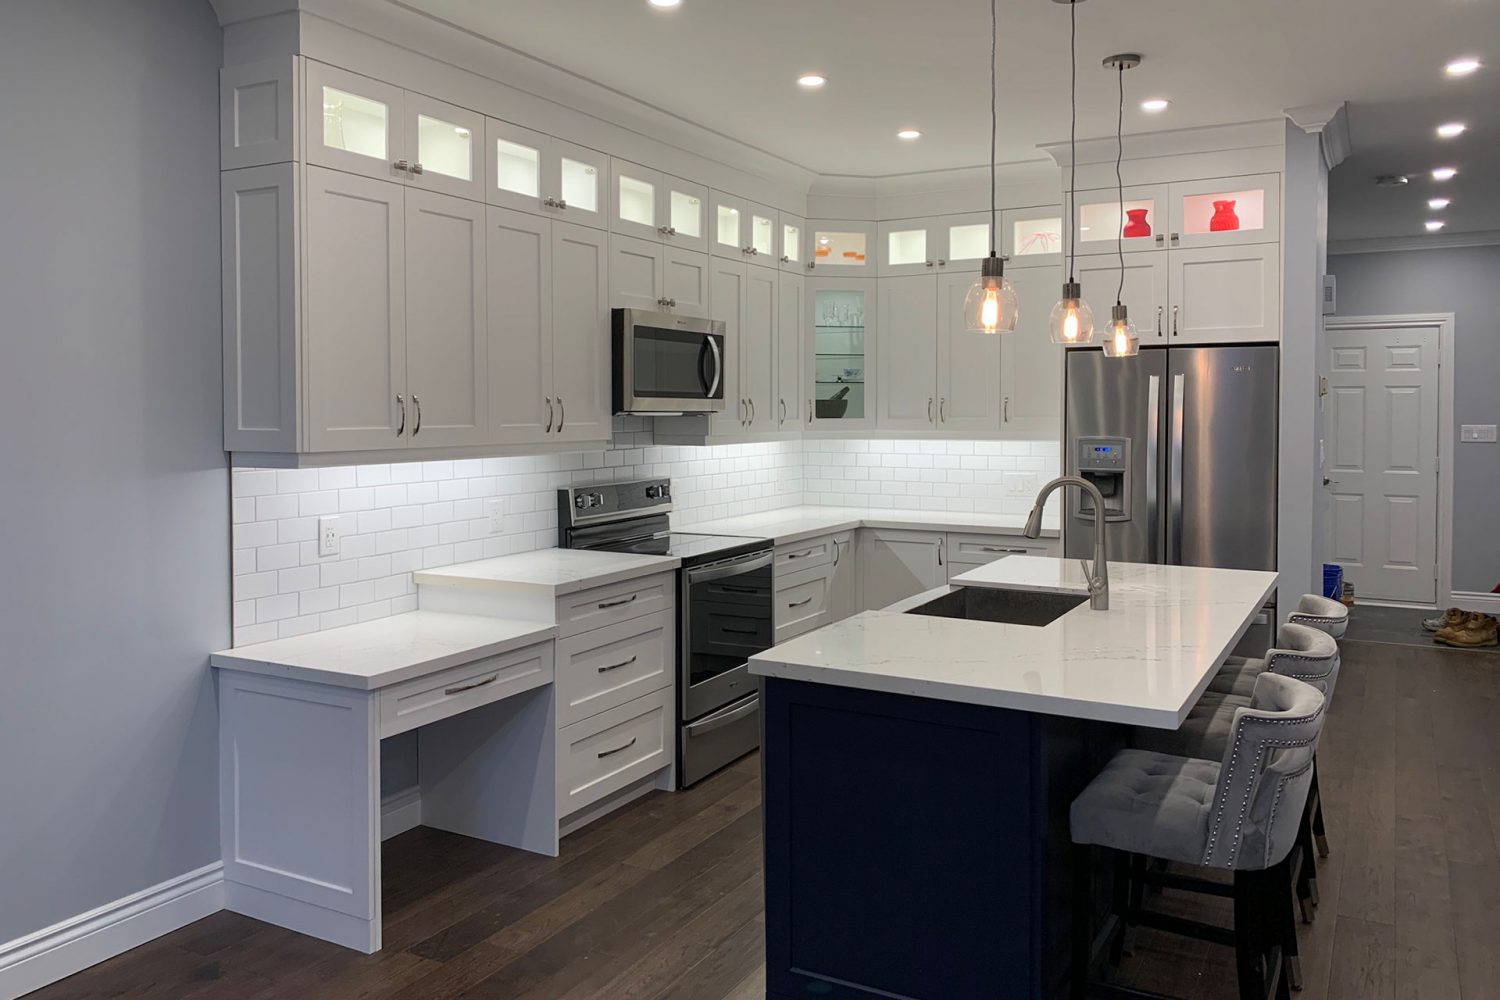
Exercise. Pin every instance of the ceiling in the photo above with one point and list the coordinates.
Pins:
(731, 65)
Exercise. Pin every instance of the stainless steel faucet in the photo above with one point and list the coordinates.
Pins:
(1098, 575)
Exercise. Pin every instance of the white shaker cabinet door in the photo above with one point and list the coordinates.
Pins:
(790, 309)
(969, 362)
(1229, 294)
(580, 333)
(895, 565)
(520, 323)
(355, 292)
(1144, 293)
(727, 303)
(908, 353)
(353, 123)
(684, 281)
(447, 343)
(635, 278)
(758, 350)
(1031, 365)
(446, 145)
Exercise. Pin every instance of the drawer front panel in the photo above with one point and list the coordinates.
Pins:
(804, 555)
(427, 699)
(615, 602)
(802, 603)
(610, 666)
(603, 754)
(967, 551)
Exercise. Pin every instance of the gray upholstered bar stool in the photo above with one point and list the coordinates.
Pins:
(1329, 616)
(1239, 813)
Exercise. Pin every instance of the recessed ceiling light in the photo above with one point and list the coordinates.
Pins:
(908, 134)
(1155, 104)
(1451, 130)
(1462, 67)
(811, 81)
(665, 4)
(1444, 174)
(1433, 225)
(1438, 203)
(1392, 180)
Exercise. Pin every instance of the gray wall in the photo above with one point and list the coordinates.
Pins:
(114, 512)
(1466, 282)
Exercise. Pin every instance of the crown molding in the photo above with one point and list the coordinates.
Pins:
(1330, 122)
(1436, 241)
(1174, 142)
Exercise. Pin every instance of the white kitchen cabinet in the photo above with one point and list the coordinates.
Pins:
(843, 246)
(1032, 237)
(908, 246)
(744, 297)
(1031, 365)
(791, 306)
(580, 333)
(657, 206)
(839, 355)
(532, 172)
(1101, 228)
(646, 275)
(908, 352)
(447, 341)
(1145, 292)
(969, 363)
(355, 312)
(445, 143)
(793, 243)
(762, 236)
(353, 123)
(685, 280)
(843, 588)
(726, 302)
(1225, 294)
(896, 564)
(964, 240)
(966, 551)
(520, 325)
(728, 225)
(1225, 211)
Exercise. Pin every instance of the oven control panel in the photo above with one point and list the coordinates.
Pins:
(602, 502)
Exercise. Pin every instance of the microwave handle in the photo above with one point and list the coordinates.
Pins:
(713, 345)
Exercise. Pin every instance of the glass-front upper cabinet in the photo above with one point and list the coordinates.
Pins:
(353, 124)
(761, 245)
(446, 145)
(908, 246)
(729, 225)
(686, 208)
(658, 206)
(532, 172)
(1102, 227)
(843, 246)
(842, 353)
(966, 239)
(1033, 237)
(793, 255)
(1225, 211)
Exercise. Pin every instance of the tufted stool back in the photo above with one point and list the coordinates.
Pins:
(1321, 613)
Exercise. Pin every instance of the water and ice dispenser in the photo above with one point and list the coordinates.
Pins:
(1105, 462)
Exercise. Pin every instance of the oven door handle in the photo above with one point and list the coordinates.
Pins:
(737, 567)
(723, 717)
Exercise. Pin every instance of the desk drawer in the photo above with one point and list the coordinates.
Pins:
(427, 699)
(609, 666)
(603, 754)
(804, 555)
(615, 602)
(802, 602)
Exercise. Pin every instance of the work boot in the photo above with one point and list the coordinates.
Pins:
(1478, 632)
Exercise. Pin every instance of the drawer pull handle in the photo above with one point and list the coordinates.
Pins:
(798, 604)
(739, 590)
(741, 631)
(610, 753)
(617, 666)
(998, 548)
(616, 604)
(801, 555)
(492, 678)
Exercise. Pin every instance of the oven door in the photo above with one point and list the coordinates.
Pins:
(726, 619)
(667, 364)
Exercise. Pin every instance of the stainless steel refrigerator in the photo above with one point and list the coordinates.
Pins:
(1182, 443)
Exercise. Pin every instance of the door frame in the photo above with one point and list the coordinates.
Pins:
(1443, 322)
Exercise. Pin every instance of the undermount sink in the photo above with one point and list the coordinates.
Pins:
(989, 604)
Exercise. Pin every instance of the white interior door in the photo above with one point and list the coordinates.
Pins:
(1382, 460)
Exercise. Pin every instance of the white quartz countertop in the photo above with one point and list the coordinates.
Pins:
(553, 571)
(1143, 662)
(790, 525)
(386, 651)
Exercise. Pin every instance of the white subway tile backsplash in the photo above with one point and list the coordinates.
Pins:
(394, 519)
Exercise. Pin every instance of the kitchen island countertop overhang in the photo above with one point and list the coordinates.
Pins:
(1145, 661)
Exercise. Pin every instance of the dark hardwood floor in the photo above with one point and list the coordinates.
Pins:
(663, 899)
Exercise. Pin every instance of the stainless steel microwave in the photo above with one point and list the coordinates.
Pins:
(666, 364)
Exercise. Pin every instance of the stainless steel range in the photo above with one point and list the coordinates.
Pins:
(724, 609)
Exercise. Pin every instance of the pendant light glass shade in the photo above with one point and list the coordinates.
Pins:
(1072, 320)
(991, 305)
(1121, 339)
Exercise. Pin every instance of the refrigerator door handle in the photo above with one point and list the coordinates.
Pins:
(1174, 476)
(1153, 466)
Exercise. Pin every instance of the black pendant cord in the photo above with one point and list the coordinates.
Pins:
(994, 129)
(1119, 184)
(1072, 135)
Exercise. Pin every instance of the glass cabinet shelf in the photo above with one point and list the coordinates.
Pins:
(839, 355)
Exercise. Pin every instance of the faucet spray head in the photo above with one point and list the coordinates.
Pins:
(1033, 527)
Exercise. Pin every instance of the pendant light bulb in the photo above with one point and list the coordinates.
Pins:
(991, 305)
(1072, 322)
(1121, 339)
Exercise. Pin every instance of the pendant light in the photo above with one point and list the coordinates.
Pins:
(991, 305)
(1121, 339)
(1072, 321)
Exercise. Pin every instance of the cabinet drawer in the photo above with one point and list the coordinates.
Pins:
(980, 549)
(802, 602)
(606, 667)
(603, 754)
(615, 602)
(804, 555)
(427, 699)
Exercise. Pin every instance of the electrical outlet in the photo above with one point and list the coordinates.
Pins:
(1478, 433)
(328, 536)
(494, 509)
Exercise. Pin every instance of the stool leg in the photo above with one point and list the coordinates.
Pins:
(1083, 929)
(1249, 936)
(1307, 872)
(1316, 797)
(1280, 902)
(1136, 900)
(1120, 906)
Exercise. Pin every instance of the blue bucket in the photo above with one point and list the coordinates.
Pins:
(1333, 581)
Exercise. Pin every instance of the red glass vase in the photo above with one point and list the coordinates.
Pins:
(1137, 226)
(1224, 219)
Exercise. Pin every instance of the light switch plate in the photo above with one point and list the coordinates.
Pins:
(1478, 433)
(328, 536)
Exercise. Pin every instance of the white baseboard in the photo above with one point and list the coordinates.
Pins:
(400, 812)
(1474, 601)
(55, 952)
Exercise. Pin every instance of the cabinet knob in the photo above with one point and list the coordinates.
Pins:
(549, 202)
(401, 165)
(785, 259)
(663, 231)
(562, 203)
(416, 168)
(942, 262)
(930, 264)
(1160, 239)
